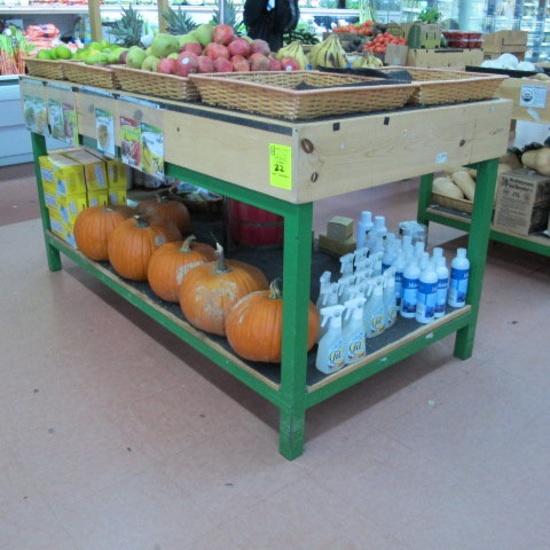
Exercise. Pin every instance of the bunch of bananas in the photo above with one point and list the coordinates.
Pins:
(366, 61)
(294, 50)
(329, 53)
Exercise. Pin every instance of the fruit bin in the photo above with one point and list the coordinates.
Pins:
(387, 147)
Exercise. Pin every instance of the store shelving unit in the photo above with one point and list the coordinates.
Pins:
(327, 157)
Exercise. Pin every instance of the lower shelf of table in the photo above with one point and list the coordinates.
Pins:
(396, 343)
(537, 243)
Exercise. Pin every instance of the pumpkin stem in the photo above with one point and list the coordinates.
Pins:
(141, 221)
(222, 264)
(186, 246)
(275, 289)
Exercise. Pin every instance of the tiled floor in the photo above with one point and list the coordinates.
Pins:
(116, 436)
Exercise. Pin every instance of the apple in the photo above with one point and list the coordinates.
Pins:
(223, 34)
(288, 63)
(239, 46)
(274, 64)
(215, 50)
(186, 63)
(240, 64)
(205, 64)
(258, 62)
(167, 65)
(260, 46)
(194, 47)
(223, 65)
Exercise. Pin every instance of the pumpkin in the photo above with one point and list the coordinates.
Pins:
(93, 226)
(132, 243)
(254, 326)
(170, 263)
(167, 209)
(537, 159)
(209, 291)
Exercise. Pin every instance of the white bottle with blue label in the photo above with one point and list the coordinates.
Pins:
(409, 289)
(426, 296)
(442, 286)
(331, 354)
(458, 284)
(363, 228)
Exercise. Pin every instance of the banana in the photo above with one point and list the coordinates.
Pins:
(329, 54)
(296, 51)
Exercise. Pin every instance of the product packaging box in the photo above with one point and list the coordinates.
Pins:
(116, 174)
(444, 58)
(94, 168)
(70, 207)
(68, 175)
(118, 196)
(98, 198)
(46, 170)
(396, 54)
(340, 228)
(522, 202)
(56, 224)
(500, 42)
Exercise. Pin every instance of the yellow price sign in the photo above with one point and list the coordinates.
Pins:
(280, 166)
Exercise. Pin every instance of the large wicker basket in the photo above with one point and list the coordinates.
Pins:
(100, 76)
(440, 86)
(156, 84)
(462, 205)
(300, 94)
(44, 68)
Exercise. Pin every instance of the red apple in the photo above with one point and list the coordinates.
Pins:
(205, 64)
(167, 65)
(223, 34)
(258, 62)
(260, 46)
(215, 50)
(239, 46)
(240, 64)
(223, 65)
(274, 64)
(186, 63)
(288, 63)
(194, 47)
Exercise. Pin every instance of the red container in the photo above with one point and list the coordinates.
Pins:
(253, 226)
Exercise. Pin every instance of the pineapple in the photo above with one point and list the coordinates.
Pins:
(229, 16)
(178, 22)
(128, 30)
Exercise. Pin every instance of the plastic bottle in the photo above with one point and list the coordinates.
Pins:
(324, 286)
(426, 296)
(346, 264)
(363, 228)
(331, 355)
(399, 266)
(390, 301)
(375, 318)
(442, 286)
(411, 276)
(458, 284)
(379, 228)
(353, 333)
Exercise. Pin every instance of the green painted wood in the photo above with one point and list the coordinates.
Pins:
(424, 197)
(39, 149)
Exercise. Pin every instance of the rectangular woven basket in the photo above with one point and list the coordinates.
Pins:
(99, 76)
(440, 86)
(156, 84)
(274, 93)
(44, 68)
(462, 205)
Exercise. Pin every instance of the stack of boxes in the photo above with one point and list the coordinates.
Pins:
(75, 179)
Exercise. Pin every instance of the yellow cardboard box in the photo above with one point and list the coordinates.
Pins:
(70, 207)
(68, 175)
(94, 168)
(116, 174)
(118, 196)
(56, 224)
(46, 170)
(98, 198)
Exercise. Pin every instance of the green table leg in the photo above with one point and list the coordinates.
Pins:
(296, 293)
(478, 243)
(39, 149)
(424, 198)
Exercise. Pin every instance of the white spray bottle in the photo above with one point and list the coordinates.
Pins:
(390, 300)
(331, 354)
(324, 286)
(353, 333)
(375, 318)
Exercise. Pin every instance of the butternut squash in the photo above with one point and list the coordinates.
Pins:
(537, 159)
(466, 183)
(445, 186)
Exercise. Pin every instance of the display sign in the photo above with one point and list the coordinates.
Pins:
(105, 132)
(280, 166)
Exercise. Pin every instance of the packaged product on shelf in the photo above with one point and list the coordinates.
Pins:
(458, 284)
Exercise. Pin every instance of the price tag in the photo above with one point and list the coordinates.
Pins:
(280, 166)
(533, 96)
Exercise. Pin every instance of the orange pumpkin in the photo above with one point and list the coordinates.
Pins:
(209, 291)
(133, 242)
(254, 326)
(170, 263)
(93, 226)
(167, 209)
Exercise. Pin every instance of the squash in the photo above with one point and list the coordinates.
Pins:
(254, 325)
(465, 182)
(445, 186)
(93, 226)
(132, 243)
(537, 159)
(170, 263)
(209, 291)
(167, 209)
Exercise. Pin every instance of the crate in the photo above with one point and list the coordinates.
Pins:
(156, 84)
(300, 94)
(444, 58)
(499, 42)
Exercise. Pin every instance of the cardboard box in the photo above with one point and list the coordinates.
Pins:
(68, 175)
(396, 54)
(117, 174)
(94, 168)
(530, 97)
(336, 248)
(422, 35)
(340, 228)
(46, 170)
(444, 58)
(505, 42)
(522, 202)
(70, 207)
(98, 197)
(118, 196)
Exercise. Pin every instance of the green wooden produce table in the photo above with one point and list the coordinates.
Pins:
(229, 152)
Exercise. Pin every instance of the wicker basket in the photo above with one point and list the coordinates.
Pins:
(156, 84)
(439, 86)
(99, 76)
(44, 68)
(274, 93)
(462, 205)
